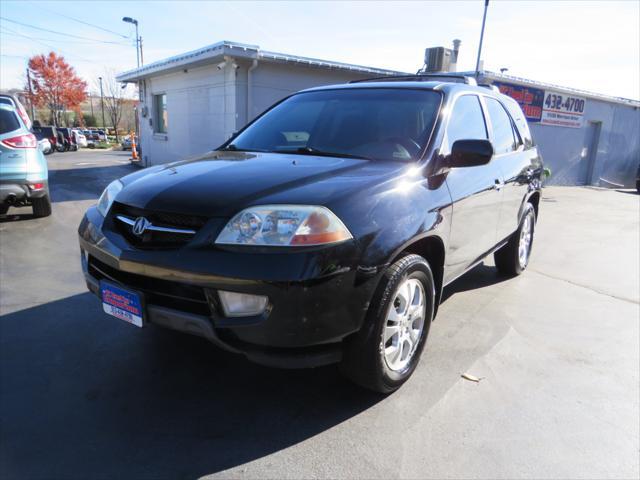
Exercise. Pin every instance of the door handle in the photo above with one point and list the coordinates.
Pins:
(498, 184)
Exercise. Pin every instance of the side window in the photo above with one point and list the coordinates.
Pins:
(161, 119)
(521, 123)
(503, 137)
(8, 121)
(466, 121)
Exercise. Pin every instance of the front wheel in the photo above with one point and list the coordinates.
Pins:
(386, 351)
(513, 258)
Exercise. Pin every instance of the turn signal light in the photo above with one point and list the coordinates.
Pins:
(21, 141)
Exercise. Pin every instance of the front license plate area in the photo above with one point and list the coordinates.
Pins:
(122, 303)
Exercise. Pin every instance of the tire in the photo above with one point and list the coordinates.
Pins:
(41, 206)
(4, 209)
(510, 260)
(366, 359)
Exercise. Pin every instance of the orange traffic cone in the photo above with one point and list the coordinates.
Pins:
(134, 152)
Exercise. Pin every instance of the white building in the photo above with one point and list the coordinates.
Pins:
(192, 102)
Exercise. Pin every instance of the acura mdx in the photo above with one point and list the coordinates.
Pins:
(325, 230)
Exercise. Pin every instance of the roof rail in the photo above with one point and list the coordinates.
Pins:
(422, 77)
(490, 87)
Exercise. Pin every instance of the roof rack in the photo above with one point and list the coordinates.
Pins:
(422, 77)
(490, 87)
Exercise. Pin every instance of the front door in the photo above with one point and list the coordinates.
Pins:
(476, 192)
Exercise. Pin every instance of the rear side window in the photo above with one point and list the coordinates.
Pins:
(8, 121)
(466, 121)
(6, 101)
(503, 136)
(520, 121)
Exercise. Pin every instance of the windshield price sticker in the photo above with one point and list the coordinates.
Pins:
(562, 110)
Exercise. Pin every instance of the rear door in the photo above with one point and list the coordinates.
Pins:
(516, 162)
(13, 161)
(475, 191)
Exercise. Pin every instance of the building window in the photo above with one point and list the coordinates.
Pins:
(161, 119)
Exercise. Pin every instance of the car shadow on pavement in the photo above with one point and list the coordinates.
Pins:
(84, 183)
(84, 395)
(16, 217)
(478, 277)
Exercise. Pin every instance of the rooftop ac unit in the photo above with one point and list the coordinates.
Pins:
(438, 59)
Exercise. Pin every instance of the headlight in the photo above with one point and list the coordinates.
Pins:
(284, 225)
(107, 197)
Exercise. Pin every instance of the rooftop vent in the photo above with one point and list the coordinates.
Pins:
(438, 59)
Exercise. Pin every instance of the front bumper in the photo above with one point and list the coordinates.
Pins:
(317, 297)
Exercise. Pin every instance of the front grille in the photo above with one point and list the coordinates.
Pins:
(151, 238)
(164, 293)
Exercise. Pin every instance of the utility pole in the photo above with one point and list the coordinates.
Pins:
(104, 125)
(484, 19)
(33, 115)
(141, 57)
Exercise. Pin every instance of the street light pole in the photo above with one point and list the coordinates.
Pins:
(33, 115)
(138, 46)
(139, 60)
(104, 125)
(484, 19)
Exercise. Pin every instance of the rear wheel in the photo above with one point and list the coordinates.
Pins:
(513, 258)
(41, 206)
(386, 351)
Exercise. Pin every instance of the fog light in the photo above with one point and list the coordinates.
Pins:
(241, 304)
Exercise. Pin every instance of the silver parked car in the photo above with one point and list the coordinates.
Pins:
(24, 178)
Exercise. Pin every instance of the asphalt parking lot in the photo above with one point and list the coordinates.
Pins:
(83, 395)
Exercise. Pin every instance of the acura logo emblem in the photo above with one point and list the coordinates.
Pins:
(140, 225)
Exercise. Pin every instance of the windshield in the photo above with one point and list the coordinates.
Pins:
(371, 123)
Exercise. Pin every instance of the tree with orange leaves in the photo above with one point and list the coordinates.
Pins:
(55, 85)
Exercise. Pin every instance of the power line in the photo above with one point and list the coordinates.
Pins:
(13, 56)
(60, 33)
(75, 42)
(55, 48)
(82, 21)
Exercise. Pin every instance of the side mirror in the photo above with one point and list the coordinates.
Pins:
(470, 153)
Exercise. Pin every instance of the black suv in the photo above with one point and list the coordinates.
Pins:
(326, 229)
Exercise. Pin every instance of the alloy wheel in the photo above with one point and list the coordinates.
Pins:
(404, 324)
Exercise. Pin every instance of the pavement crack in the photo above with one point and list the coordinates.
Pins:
(587, 287)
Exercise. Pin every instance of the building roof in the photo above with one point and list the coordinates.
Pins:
(500, 77)
(215, 52)
(210, 53)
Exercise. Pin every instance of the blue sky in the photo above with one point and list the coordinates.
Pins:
(589, 45)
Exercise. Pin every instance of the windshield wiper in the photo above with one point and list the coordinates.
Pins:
(232, 148)
(320, 153)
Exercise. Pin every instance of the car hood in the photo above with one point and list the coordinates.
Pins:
(223, 183)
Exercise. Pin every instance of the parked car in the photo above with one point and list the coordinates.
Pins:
(23, 168)
(14, 101)
(326, 229)
(638, 179)
(102, 136)
(70, 143)
(81, 140)
(50, 133)
(45, 145)
(127, 145)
